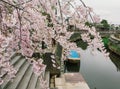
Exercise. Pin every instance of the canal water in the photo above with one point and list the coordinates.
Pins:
(99, 72)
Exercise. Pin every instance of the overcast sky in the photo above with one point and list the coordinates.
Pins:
(106, 9)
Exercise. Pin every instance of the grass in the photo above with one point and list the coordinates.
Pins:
(105, 41)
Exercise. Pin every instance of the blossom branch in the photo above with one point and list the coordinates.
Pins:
(89, 12)
(11, 4)
(60, 11)
(20, 25)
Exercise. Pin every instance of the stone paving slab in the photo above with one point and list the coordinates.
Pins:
(73, 77)
(71, 81)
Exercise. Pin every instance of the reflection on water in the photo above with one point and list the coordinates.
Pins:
(72, 67)
(115, 59)
(99, 72)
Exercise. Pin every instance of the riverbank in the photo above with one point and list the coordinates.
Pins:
(114, 44)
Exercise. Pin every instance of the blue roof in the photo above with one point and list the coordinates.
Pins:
(73, 54)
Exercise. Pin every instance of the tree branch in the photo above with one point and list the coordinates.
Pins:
(20, 23)
(11, 4)
(86, 7)
(61, 15)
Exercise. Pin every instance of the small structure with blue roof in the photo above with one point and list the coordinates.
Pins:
(74, 56)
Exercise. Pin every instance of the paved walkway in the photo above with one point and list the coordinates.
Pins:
(71, 81)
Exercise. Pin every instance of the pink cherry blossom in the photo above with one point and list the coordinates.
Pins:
(96, 18)
(44, 83)
(1, 81)
(38, 67)
(27, 52)
(27, 24)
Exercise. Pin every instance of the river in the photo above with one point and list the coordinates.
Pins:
(99, 72)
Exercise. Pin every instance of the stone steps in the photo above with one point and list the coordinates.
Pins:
(17, 65)
(32, 82)
(18, 78)
(25, 78)
(15, 59)
(37, 84)
(47, 76)
(12, 62)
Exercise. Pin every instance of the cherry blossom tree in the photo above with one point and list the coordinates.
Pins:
(25, 24)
